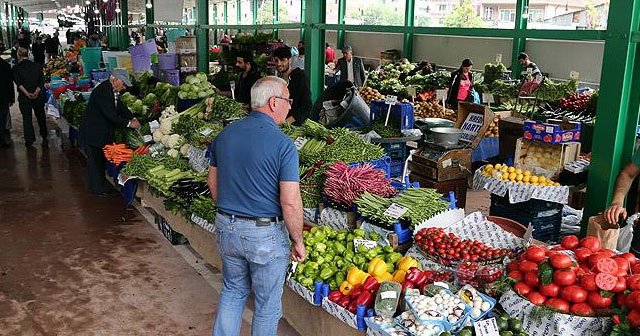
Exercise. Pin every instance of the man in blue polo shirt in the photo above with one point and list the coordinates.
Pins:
(254, 179)
(617, 210)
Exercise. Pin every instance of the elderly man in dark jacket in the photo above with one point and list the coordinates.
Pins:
(351, 68)
(29, 79)
(7, 98)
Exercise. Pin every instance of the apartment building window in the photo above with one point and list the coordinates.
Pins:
(488, 13)
(508, 15)
(443, 8)
(536, 15)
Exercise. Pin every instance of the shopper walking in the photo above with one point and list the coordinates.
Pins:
(461, 85)
(29, 79)
(38, 51)
(351, 68)
(259, 209)
(297, 84)
(7, 98)
(24, 40)
(104, 113)
(53, 45)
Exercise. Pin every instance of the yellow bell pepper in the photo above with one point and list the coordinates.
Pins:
(377, 267)
(386, 276)
(399, 275)
(345, 288)
(405, 263)
(355, 276)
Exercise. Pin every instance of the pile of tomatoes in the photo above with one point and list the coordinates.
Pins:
(448, 248)
(587, 281)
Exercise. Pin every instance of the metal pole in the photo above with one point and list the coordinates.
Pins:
(276, 14)
(617, 113)
(149, 32)
(314, 46)
(215, 31)
(202, 37)
(342, 8)
(124, 7)
(519, 41)
(304, 19)
(254, 14)
(226, 17)
(409, 18)
(239, 13)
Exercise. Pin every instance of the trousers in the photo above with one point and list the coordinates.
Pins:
(28, 108)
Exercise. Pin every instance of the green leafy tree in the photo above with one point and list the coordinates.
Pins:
(464, 16)
(378, 14)
(265, 12)
(422, 21)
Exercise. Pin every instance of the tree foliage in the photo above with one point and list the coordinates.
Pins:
(464, 16)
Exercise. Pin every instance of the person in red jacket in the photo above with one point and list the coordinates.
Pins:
(329, 54)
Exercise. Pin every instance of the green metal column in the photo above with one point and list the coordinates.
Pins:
(202, 37)
(239, 13)
(617, 115)
(7, 13)
(314, 46)
(304, 19)
(124, 19)
(254, 14)
(407, 46)
(226, 17)
(149, 32)
(12, 10)
(342, 8)
(215, 17)
(276, 13)
(519, 41)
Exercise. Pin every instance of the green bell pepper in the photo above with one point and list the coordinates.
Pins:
(374, 236)
(340, 276)
(388, 249)
(307, 282)
(339, 247)
(393, 257)
(320, 247)
(360, 233)
(326, 273)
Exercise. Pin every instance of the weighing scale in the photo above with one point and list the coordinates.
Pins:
(447, 167)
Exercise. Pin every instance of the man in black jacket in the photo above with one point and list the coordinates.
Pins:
(29, 79)
(351, 68)
(52, 45)
(38, 51)
(104, 112)
(7, 98)
(298, 86)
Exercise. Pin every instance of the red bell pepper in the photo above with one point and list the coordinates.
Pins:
(412, 274)
(353, 306)
(356, 291)
(335, 296)
(423, 287)
(420, 279)
(371, 285)
(344, 301)
(429, 276)
(365, 298)
(405, 285)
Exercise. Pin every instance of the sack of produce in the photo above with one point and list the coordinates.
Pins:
(350, 111)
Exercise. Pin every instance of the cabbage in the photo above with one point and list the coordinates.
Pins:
(192, 80)
(202, 94)
(185, 87)
(201, 76)
(195, 88)
(183, 95)
(193, 95)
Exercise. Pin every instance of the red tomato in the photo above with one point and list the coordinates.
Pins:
(588, 282)
(570, 242)
(633, 282)
(607, 252)
(531, 279)
(621, 285)
(594, 258)
(535, 254)
(536, 298)
(556, 248)
(574, 294)
(635, 268)
(558, 304)
(629, 256)
(528, 266)
(634, 318)
(633, 299)
(550, 290)
(516, 275)
(582, 253)
(582, 309)
(622, 263)
(591, 243)
(513, 266)
(564, 277)
(561, 261)
(582, 270)
(597, 301)
(606, 265)
(522, 288)
(606, 281)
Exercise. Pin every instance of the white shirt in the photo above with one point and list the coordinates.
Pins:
(350, 71)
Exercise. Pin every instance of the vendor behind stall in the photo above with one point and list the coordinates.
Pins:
(298, 86)
(249, 74)
(461, 87)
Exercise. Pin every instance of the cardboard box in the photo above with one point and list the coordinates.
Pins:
(474, 121)
(553, 131)
(543, 158)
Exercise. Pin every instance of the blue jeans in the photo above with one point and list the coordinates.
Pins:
(252, 257)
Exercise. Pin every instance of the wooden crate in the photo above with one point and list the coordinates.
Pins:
(511, 129)
(452, 165)
(559, 155)
(459, 187)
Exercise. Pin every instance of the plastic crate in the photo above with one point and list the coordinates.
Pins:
(395, 151)
(401, 114)
(383, 163)
(546, 228)
(100, 75)
(532, 208)
(397, 167)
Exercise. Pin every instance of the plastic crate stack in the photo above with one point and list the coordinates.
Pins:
(546, 217)
(168, 65)
(402, 116)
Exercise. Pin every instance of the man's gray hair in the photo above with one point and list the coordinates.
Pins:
(265, 88)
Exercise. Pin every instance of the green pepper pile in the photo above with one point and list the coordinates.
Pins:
(331, 254)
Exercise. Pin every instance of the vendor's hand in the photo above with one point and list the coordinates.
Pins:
(298, 251)
(614, 213)
(135, 123)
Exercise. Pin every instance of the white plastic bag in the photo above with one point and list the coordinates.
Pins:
(626, 234)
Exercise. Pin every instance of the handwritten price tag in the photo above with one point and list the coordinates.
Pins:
(395, 211)
(441, 94)
(299, 142)
(391, 99)
(412, 91)
(206, 131)
(488, 98)
(488, 327)
(367, 243)
(574, 75)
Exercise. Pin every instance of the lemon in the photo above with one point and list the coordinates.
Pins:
(527, 173)
(511, 170)
(542, 180)
(512, 175)
(519, 171)
(498, 166)
(519, 176)
(504, 176)
(488, 167)
(526, 179)
(535, 184)
(534, 179)
(556, 184)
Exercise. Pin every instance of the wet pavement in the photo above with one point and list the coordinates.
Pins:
(72, 263)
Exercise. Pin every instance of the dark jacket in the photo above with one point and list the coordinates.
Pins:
(454, 87)
(243, 87)
(38, 53)
(30, 75)
(301, 94)
(52, 45)
(102, 115)
(7, 95)
(358, 71)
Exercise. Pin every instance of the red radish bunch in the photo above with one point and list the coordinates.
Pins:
(345, 184)
(575, 102)
(449, 248)
(585, 286)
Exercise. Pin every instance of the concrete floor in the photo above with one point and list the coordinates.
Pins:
(76, 264)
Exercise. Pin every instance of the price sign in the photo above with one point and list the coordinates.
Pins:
(412, 91)
(365, 242)
(441, 94)
(498, 58)
(206, 131)
(390, 99)
(574, 75)
(154, 125)
(388, 295)
(471, 126)
(299, 142)
(232, 84)
(147, 138)
(488, 98)
(488, 327)
(395, 211)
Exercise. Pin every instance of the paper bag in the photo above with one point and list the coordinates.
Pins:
(606, 233)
